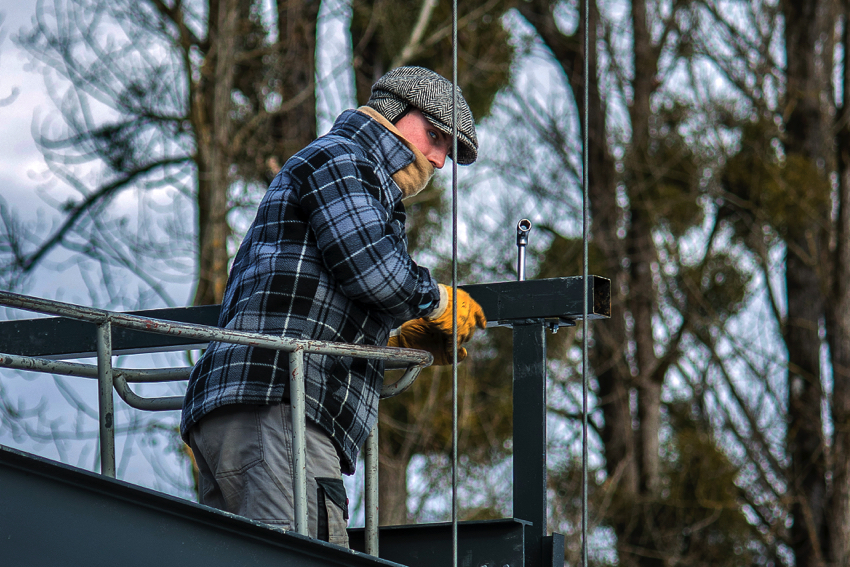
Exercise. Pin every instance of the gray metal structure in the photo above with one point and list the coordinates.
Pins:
(104, 320)
(57, 515)
(529, 307)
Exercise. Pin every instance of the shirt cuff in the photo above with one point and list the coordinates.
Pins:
(444, 303)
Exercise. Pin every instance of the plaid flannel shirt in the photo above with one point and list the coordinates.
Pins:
(325, 259)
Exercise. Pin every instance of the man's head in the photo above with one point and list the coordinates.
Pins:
(395, 93)
(417, 130)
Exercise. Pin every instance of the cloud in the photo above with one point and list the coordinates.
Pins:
(22, 167)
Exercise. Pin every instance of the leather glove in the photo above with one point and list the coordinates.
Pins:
(469, 316)
(424, 335)
(434, 334)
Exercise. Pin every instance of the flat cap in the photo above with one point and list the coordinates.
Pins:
(432, 94)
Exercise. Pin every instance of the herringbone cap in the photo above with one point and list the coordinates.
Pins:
(432, 94)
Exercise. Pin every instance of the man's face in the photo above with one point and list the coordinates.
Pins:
(434, 144)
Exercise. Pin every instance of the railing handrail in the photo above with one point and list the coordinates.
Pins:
(117, 379)
(416, 360)
(206, 332)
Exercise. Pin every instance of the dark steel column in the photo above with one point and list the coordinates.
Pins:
(529, 445)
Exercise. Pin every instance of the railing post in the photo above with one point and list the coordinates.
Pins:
(370, 457)
(105, 403)
(299, 474)
(529, 431)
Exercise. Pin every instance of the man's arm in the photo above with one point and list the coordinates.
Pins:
(354, 232)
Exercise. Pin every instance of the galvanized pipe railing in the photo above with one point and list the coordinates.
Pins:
(299, 432)
(110, 378)
(104, 397)
(121, 377)
(416, 358)
(370, 501)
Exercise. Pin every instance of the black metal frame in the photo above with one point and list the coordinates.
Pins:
(555, 300)
(529, 307)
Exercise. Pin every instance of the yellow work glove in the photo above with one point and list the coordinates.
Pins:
(435, 334)
(469, 316)
(424, 335)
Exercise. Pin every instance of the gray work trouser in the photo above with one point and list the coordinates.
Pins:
(244, 456)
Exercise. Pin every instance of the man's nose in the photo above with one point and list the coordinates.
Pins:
(438, 158)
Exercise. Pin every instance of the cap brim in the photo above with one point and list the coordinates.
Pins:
(466, 152)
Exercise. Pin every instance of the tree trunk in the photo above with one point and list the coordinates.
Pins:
(297, 38)
(214, 94)
(807, 472)
(838, 335)
(269, 143)
(644, 539)
(807, 479)
(608, 359)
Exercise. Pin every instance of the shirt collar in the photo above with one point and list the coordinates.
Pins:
(407, 165)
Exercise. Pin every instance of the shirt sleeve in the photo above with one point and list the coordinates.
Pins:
(355, 233)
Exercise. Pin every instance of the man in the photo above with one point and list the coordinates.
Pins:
(326, 259)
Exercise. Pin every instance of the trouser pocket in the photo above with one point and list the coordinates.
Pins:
(332, 511)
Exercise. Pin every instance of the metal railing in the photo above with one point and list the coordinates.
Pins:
(110, 378)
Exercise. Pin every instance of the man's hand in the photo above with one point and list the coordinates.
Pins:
(435, 334)
(469, 316)
(424, 335)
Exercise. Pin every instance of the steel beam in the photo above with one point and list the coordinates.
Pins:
(494, 543)
(529, 433)
(503, 302)
(60, 337)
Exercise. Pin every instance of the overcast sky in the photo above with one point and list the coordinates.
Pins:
(21, 164)
(23, 172)
(148, 460)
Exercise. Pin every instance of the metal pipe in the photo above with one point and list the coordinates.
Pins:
(208, 333)
(299, 449)
(585, 332)
(46, 365)
(370, 456)
(151, 375)
(454, 285)
(523, 227)
(104, 394)
(78, 369)
(166, 403)
(122, 376)
(402, 384)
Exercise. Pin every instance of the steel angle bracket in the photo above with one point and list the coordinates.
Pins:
(557, 301)
(62, 337)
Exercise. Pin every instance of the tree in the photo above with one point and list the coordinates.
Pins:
(13, 94)
(788, 184)
(655, 143)
(198, 105)
(777, 192)
(174, 102)
(710, 208)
